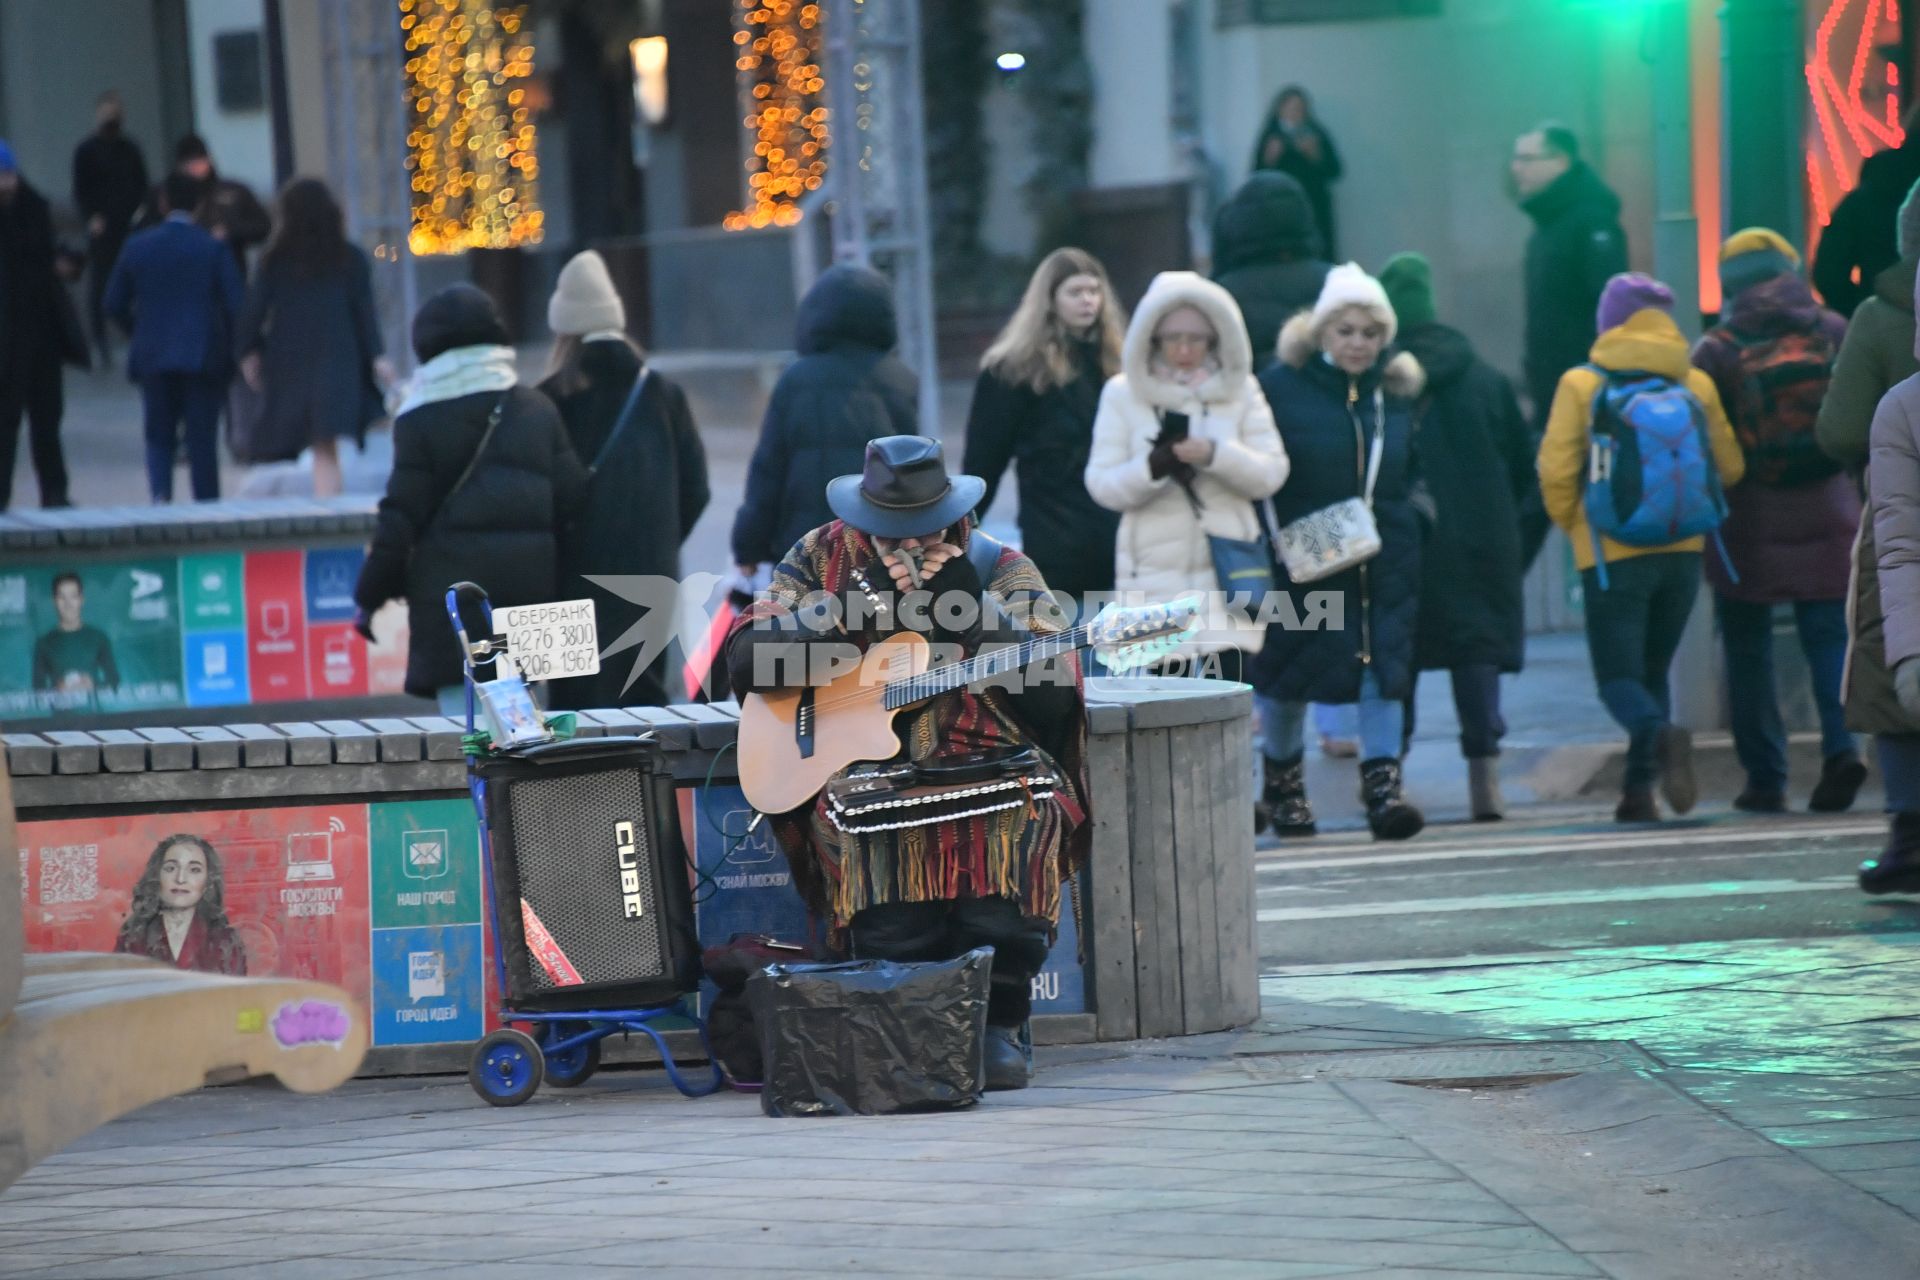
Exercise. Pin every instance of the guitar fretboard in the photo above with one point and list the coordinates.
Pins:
(985, 666)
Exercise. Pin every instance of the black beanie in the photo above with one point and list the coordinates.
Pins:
(459, 315)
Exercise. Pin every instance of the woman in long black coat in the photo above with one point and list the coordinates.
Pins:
(1337, 385)
(1034, 406)
(648, 482)
(309, 339)
(1294, 142)
(1476, 461)
(483, 480)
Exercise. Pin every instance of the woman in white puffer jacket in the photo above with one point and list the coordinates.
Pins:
(1186, 354)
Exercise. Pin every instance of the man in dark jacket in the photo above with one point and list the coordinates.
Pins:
(1859, 241)
(227, 208)
(38, 333)
(1267, 254)
(1577, 245)
(177, 291)
(109, 182)
(845, 389)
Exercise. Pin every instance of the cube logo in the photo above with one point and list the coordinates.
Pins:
(424, 855)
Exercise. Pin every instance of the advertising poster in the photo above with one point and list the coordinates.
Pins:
(278, 892)
(429, 960)
(276, 593)
(90, 638)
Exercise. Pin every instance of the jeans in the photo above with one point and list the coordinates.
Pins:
(195, 399)
(1476, 704)
(1633, 630)
(1759, 738)
(922, 931)
(1284, 725)
(1899, 759)
(1337, 720)
(37, 392)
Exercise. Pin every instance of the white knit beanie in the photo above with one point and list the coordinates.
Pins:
(1349, 286)
(584, 300)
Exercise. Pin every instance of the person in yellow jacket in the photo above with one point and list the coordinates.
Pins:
(1635, 620)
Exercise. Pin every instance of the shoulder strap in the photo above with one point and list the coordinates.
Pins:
(1379, 443)
(493, 424)
(628, 413)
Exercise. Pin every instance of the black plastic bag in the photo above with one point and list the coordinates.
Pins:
(873, 1037)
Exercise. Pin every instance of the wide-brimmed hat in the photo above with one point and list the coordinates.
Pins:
(904, 490)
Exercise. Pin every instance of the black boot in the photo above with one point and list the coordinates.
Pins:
(1841, 777)
(1388, 813)
(1285, 798)
(1897, 869)
(1009, 1058)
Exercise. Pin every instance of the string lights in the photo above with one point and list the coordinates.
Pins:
(470, 137)
(779, 43)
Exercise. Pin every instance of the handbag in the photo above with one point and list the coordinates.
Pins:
(1338, 537)
(1242, 566)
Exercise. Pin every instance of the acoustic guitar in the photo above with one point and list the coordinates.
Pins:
(792, 741)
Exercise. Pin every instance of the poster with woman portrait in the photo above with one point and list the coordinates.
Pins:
(279, 892)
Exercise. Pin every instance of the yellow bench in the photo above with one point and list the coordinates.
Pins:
(85, 1038)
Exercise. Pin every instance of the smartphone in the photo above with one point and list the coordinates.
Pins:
(1173, 426)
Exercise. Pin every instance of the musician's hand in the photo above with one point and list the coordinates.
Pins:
(932, 557)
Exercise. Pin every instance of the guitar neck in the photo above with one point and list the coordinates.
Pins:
(958, 675)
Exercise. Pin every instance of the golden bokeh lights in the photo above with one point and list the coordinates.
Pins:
(779, 59)
(470, 139)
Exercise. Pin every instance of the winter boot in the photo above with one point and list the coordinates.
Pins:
(1897, 869)
(1009, 1058)
(1389, 814)
(1761, 800)
(1674, 750)
(1636, 805)
(1483, 789)
(1841, 777)
(1285, 797)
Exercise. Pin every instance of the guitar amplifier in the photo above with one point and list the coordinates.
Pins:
(591, 901)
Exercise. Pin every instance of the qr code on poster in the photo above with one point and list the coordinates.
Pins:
(69, 873)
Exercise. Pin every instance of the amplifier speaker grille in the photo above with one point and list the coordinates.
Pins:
(567, 853)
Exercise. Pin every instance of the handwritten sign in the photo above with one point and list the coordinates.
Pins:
(551, 641)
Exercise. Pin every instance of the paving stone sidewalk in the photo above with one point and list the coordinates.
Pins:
(1206, 1157)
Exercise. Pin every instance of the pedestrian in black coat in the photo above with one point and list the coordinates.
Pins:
(647, 486)
(1294, 142)
(1337, 386)
(1267, 254)
(1476, 461)
(39, 332)
(846, 388)
(109, 182)
(1577, 246)
(1860, 240)
(483, 479)
(227, 208)
(1034, 405)
(310, 339)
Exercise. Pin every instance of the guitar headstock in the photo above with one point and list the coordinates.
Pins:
(1132, 636)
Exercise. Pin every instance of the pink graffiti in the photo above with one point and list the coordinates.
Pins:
(311, 1022)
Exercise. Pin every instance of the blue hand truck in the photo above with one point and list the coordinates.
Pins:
(563, 1050)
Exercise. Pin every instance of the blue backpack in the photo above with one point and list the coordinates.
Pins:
(1651, 477)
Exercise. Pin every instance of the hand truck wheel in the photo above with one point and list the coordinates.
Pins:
(506, 1068)
(575, 1066)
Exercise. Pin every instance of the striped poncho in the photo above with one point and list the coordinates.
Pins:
(1021, 853)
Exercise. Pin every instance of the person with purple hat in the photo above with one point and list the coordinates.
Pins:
(39, 331)
(1638, 597)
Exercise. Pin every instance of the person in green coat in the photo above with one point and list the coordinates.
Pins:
(1876, 355)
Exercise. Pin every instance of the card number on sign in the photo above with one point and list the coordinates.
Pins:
(551, 641)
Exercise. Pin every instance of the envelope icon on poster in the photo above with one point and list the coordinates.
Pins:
(425, 855)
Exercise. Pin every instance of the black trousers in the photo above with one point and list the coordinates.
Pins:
(921, 931)
(103, 252)
(35, 390)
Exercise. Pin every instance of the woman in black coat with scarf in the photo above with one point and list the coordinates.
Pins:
(1034, 406)
(1476, 460)
(483, 479)
(633, 430)
(1336, 387)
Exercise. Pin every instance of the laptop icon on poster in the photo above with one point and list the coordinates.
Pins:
(310, 856)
